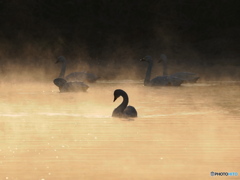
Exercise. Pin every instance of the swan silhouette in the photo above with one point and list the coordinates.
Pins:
(75, 76)
(159, 80)
(65, 86)
(187, 77)
(123, 110)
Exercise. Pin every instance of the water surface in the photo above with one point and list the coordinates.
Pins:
(181, 132)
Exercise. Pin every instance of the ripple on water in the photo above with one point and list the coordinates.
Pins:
(14, 115)
(177, 128)
(175, 114)
(76, 115)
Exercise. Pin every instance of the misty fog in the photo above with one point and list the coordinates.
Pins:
(110, 37)
(183, 132)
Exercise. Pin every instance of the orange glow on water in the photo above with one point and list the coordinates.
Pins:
(184, 132)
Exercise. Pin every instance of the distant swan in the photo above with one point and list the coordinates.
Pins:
(123, 110)
(187, 77)
(75, 76)
(159, 80)
(65, 86)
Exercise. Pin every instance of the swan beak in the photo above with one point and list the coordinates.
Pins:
(160, 61)
(114, 99)
(142, 59)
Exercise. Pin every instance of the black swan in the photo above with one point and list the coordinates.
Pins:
(75, 76)
(65, 86)
(123, 110)
(159, 80)
(187, 77)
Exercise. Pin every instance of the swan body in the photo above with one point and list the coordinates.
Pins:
(187, 77)
(65, 86)
(123, 110)
(75, 76)
(159, 80)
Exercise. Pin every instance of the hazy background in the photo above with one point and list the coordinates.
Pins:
(108, 37)
(180, 133)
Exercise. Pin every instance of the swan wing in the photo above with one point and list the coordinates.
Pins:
(174, 81)
(160, 81)
(91, 77)
(166, 81)
(130, 111)
(186, 76)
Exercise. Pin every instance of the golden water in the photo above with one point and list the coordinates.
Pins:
(181, 132)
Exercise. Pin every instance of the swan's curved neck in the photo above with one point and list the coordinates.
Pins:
(165, 73)
(63, 69)
(124, 103)
(148, 73)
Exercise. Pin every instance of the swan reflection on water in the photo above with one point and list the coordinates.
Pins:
(159, 80)
(123, 110)
(75, 76)
(65, 86)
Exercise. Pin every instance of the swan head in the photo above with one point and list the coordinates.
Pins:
(60, 82)
(147, 58)
(163, 58)
(117, 93)
(61, 59)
